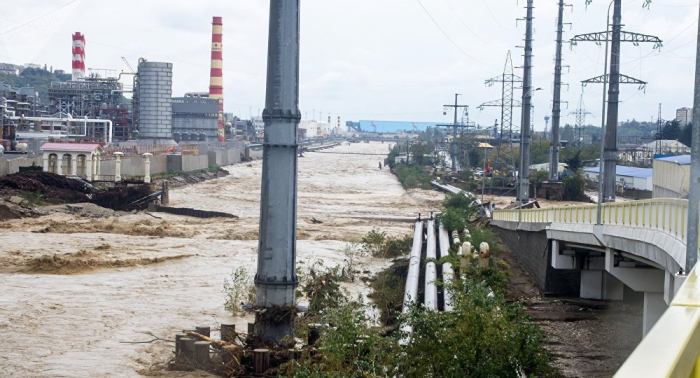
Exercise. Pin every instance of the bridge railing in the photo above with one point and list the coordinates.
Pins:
(662, 214)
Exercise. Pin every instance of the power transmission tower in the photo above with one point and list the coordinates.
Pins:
(454, 131)
(556, 102)
(615, 79)
(506, 103)
(581, 114)
(524, 169)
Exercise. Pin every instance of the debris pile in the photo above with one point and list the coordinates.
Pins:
(51, 187)
(40, 188)
(122, 198)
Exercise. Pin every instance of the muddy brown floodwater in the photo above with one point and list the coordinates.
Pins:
(76, 288)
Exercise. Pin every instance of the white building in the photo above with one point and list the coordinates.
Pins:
(645, 153)
(626, 177)
(672, 176)
(684, 115)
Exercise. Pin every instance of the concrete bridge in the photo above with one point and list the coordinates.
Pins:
(639, 245)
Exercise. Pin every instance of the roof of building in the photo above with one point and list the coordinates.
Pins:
(71, 147)
(393, 126)
(665, 143)
(622, 170)
(680, 159)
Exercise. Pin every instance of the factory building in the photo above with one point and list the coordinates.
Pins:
(91, 98)
(195, 115)
(153, 91)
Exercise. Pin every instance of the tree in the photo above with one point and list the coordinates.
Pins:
(568, 134)
(574, 162)
(670, 131)
(686, 136)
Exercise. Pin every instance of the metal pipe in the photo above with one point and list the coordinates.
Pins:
(411, 292)
(431, 294)
(412, 278)
(447, 271)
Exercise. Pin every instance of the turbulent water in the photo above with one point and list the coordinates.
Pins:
(137, 274)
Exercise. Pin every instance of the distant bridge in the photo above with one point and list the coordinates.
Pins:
(640, 244)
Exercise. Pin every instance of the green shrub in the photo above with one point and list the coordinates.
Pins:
(388, 291)
(412, 176)
(452, 219)
(239, 290)
(574, 186)
(373, 241)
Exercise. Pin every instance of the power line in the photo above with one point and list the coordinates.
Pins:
(464, 23)
(448, 37)
(34, 19)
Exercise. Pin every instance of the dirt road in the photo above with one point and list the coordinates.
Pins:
(76, 289)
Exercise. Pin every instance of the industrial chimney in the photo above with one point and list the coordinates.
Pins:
(216, 81)
(78, 56)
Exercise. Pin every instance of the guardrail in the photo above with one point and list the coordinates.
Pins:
(672, 347)
(663, 214)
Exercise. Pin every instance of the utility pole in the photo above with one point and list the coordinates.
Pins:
(691, 253)
(454, 132)
(659, 127)
(276, 279)
(617, 36)
(524, 171)
(556, 102)
(506, 103)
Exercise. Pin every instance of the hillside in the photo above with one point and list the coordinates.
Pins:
(34, 77)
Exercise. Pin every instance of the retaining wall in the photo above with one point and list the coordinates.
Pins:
(9, 166)
(532, 250)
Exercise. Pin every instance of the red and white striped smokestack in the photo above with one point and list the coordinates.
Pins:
(216, 81)
(78, 56)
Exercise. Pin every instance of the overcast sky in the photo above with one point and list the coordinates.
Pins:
(370, 59)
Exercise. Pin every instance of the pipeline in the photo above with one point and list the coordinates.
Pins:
(447, 271)
(431, 293)
(412, 279)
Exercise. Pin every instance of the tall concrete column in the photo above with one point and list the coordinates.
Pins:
(46, 163)
(98, 169)
(88, 168)
(74, 164)
(654, 307)
(118, 167)
(610, 138)
(276, 279)
(147, 168)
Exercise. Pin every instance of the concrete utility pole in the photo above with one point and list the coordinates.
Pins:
(614, 79)
(556, 103)
(453, 152)
(691, 253)
(276, 280)
(524, 170)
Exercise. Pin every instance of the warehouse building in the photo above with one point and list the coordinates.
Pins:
(672, 176)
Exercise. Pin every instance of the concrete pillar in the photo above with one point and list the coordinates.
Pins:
(46, 163)
(95, 164)
(599, 284)
(88, 168)
(654, 307)
(118, 167)
(99, 166)
(147, 168)
(59, 164)
(74, 164)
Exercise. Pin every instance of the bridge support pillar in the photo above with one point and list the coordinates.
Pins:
(599, 284)
(654, 307)
(672, 282)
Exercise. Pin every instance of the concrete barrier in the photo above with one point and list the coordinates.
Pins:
(10, 166)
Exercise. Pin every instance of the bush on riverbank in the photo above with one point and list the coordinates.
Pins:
(412, 176)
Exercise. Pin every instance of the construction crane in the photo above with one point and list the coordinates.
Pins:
(128, 65)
